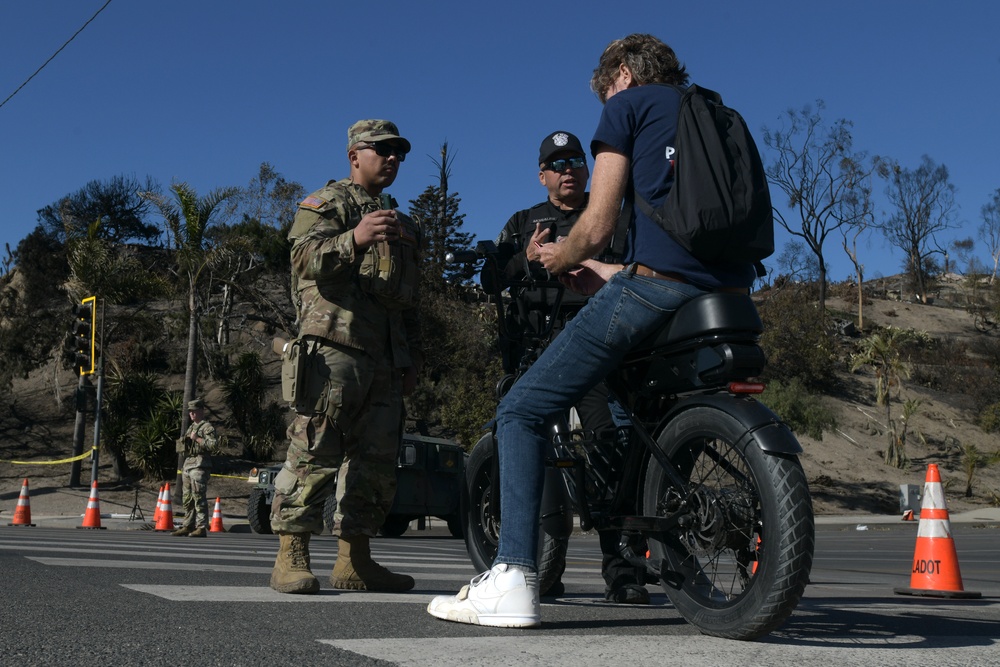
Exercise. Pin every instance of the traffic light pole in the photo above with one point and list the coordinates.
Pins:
(78, 431)
(81, 350)
(95, 461)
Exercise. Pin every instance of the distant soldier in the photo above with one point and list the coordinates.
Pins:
(196, 445)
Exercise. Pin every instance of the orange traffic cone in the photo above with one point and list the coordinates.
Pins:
(166, 520)
(159, 506)
(216, 525)
(92, 517)
(22, 513)
(935, 570)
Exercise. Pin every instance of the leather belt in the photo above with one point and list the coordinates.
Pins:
(642, 270)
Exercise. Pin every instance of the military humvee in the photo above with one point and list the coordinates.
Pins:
(429, 477)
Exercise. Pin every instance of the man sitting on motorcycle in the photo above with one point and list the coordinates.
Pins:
(631, 300)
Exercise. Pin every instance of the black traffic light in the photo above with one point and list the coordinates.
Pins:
(80, 348)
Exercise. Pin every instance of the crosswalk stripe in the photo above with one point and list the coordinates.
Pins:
(264, 594)
(210, 567)
(527, 647)
(150, 565)
(186, 593)
(439, 564)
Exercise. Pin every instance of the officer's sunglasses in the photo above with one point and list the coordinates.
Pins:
(561, 165)
(385, 149)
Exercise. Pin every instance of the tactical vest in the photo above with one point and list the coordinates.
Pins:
(389, 270)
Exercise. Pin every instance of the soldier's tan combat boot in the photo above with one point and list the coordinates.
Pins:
(291, 572)
(183, 530)
(198, 532)
(356, 571)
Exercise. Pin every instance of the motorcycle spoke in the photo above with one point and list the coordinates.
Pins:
(725, 508)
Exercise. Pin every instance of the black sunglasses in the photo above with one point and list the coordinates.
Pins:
(385, 149)
(560, 165)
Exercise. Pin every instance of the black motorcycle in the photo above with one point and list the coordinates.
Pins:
(704, 483)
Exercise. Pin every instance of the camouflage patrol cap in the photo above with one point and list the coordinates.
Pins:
(196, 404)
(374, 130)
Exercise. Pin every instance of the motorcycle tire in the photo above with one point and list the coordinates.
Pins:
(739, 568)
(482, 530)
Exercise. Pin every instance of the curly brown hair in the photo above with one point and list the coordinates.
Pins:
(649, 60)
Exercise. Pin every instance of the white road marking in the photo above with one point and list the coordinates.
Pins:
(264, 594)
(528, 647)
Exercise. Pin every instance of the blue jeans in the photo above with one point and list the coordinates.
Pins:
(623, 313)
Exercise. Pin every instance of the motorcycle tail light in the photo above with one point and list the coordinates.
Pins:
(746, 387)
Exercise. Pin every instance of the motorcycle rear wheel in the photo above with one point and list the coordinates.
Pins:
(739, 568)
(482, 530)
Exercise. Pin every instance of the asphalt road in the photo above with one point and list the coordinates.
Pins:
(114, 597)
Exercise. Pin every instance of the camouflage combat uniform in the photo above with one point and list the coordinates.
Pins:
(358, 329)
(195, 472)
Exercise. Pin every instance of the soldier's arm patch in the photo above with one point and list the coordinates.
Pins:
(314, 203)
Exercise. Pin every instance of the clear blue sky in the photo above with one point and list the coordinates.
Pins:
(203, 91)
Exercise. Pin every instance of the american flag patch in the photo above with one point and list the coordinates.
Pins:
(312, 202)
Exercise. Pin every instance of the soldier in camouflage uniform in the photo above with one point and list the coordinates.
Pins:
(354, 281)
(197, 445)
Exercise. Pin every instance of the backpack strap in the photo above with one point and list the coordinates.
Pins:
(616, 249)
(647, 209)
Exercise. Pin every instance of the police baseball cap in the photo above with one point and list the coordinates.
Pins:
(371, 131)
(559, 142)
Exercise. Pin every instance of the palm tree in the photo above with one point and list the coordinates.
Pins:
(974, 460)
(186, 217)
(883, 351)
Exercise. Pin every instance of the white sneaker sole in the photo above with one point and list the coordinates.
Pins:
(493, 620)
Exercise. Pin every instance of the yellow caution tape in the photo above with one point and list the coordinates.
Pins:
(51, 463)
(181, 472)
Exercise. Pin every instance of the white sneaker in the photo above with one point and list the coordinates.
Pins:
(499, 598)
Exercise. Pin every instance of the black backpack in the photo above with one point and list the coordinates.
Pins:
(719, 207)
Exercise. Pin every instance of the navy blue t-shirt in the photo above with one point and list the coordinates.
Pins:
(641, 124)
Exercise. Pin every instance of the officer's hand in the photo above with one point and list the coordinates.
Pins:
(377, 226)
(537, 239)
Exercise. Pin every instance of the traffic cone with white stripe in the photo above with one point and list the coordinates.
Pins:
(935, 571)
(22, 513)
(166, 520)
(92, 517)
(216, 524)
(159, 506)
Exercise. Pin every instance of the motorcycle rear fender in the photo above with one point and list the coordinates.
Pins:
(765, 427)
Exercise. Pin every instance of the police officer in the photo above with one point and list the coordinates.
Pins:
(563, 172)
(354, 281)
(197, 445)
